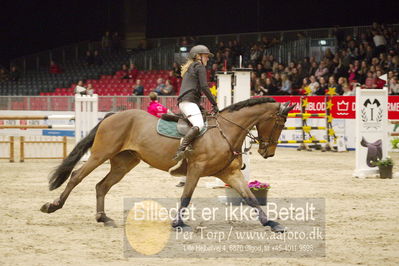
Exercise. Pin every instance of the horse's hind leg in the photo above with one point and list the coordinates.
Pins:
(121, 164)
(76, 177)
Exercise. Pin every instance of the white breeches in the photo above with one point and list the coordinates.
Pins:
(193, 113)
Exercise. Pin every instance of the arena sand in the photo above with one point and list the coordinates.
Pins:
(361, 228)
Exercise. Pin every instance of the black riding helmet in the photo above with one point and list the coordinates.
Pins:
(199, 49)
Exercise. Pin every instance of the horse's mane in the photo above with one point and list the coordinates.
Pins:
(248, 103)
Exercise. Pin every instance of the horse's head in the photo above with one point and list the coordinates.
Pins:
(269, 129)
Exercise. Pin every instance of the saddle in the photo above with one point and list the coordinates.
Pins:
(374, 151)
(176, 125)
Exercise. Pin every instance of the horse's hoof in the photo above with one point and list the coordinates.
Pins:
(45, 207)
(48, 208)
(276, 227)
(102, 218)
(179, 225)
(183, 228)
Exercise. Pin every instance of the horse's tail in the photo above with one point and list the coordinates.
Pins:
(62, 172)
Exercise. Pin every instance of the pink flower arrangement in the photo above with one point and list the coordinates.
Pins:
(256, 185)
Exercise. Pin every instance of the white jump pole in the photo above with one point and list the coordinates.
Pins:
(242, 91)
(371, 125)
(224, 85)
(224, 89)
(86, 116)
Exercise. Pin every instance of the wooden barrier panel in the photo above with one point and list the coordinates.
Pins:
(39, 147)
(4, 152)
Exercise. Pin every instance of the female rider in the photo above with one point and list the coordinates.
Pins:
(193, 85)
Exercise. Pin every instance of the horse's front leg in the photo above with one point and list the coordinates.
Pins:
(236, 180)
(193, 174)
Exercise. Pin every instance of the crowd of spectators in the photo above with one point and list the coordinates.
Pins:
(359, 61)
(164, 86)
(355, 61)
(12, 75)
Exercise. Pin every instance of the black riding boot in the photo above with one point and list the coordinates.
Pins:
(188, 138)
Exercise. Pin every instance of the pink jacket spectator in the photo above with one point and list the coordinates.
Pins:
(352, 74)
(157, 109)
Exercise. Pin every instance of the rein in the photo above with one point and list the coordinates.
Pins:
(262, 143)
(259, 140)
(249, 134)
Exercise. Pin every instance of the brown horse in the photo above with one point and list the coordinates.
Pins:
(128, 137)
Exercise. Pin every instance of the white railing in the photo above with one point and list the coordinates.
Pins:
(67, 103)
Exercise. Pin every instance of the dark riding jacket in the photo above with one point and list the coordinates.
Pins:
(194, 83)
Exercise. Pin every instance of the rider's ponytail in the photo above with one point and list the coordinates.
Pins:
(185, 66)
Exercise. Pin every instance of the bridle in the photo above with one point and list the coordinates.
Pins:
(278, 125)
(280, 119)
(248, 132)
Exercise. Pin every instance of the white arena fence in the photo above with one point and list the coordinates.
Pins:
(65, 105)
(14, 124)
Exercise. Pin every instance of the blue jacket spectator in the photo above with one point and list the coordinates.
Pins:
(285, 84)
(160, 86)
(138, 89)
